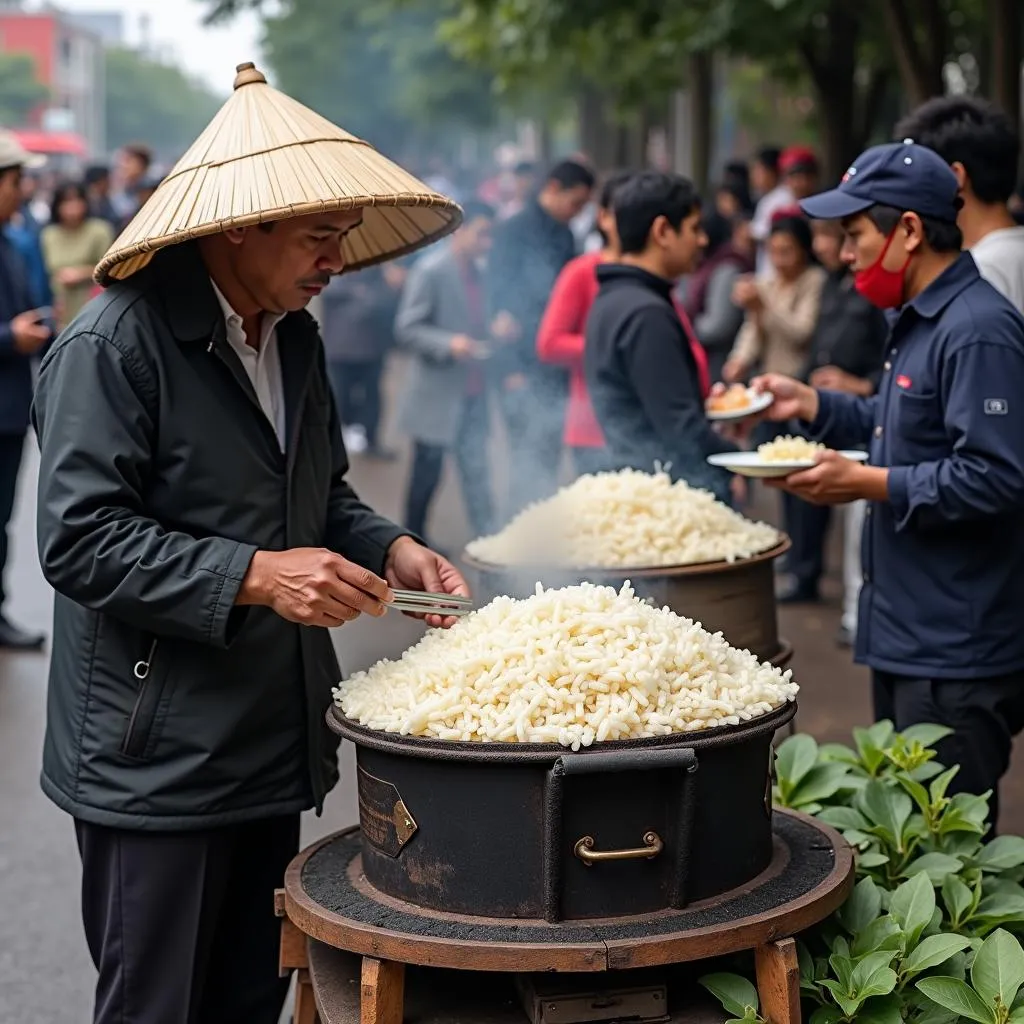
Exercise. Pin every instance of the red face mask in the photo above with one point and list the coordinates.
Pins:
(882, 288)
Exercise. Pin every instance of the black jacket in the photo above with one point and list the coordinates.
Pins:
(169, 707)
(643, 380)
(850, 333)
(15, 368)
(358, 317)
(529, 251)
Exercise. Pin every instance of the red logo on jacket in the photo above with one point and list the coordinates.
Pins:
(903, 381)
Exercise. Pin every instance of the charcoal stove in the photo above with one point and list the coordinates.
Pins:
(328, 904)
(734, 598)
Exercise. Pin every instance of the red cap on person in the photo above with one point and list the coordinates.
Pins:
(797, 159)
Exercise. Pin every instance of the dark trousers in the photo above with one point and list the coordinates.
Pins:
(470, 451)
(181, 925)
(11, 448)
(357, 390)
(984, 714)
(534, 421)
(807, 526)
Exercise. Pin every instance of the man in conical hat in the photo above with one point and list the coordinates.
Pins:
(197, 526)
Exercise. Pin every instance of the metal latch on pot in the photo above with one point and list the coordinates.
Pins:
(383, 817)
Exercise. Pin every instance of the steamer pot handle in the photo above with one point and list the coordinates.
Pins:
(626, 761)
(684, 758)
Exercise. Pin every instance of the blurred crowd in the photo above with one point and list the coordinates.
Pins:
(526, 318)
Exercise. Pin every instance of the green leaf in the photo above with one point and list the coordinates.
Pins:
(826, 1015)
(837, 752)
(883, 933)
(940, 784)
(937, 866)
(965, 813)
(1001, 854)
(1002, 905)
(926, 735)
(998, 970)
(871, 745)
(916, 791)
(957, 897)
(926, 771)
(863, 906)
(912, 905)
(841, 994)
(881, 1010)
(872, 859)
(843, 818)
(733, 991)
(842, 967)
(888, 808)
(872, 976)
(957, 997)
(820, 783)
(794, 758)
(934, 950)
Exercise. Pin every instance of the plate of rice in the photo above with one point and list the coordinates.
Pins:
(736, 403)
(574, 666)
(776, 458)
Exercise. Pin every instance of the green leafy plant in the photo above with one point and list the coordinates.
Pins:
(926, 936)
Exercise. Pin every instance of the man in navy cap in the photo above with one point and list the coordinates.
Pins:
(943, 551)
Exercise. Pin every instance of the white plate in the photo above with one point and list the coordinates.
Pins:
(759, 401)
(751, 464)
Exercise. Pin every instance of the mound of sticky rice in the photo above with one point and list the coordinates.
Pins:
(789, 449)
(575, 666)
(628, 520)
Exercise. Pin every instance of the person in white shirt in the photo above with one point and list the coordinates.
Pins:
(982, 146)
(773, 195)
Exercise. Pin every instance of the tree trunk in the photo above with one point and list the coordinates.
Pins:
(920, 67)
(1006, 24)
(592, 124)
(701, 83)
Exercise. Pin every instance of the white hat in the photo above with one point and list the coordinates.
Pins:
(14, 154)
(266, 157)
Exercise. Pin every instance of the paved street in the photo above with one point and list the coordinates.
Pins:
(45, 975)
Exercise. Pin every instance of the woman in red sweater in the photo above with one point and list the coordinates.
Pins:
(560, 339)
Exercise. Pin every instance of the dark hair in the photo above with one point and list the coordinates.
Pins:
(972, 132)
(646, 197)
(95, 173)
(610, 186)
(718, 229)
(66, 190)
(768, 156)
(524, 167)
(474, 208)
(941, 235)
(141, 153)
(571, 174)
(738, 191)
(798, 228)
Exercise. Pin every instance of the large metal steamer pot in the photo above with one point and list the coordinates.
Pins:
(734, 598)
(537, 831)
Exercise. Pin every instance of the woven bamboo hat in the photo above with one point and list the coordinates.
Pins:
(266, 157)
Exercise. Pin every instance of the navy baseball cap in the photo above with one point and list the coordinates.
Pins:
(903, 175)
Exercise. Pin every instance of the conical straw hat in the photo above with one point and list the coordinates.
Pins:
(266, 157)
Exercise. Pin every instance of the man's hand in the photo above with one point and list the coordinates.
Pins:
(462, 346)
(746, 294)
(28, 333)
(793, 400)
(411, 566)
(835, 480)
(505, 327)
(831, 378)
(733, 371)
(313, 587)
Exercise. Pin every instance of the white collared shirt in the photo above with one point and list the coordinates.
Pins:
(263, 365)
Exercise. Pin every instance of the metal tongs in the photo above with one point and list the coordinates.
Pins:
(430, 604)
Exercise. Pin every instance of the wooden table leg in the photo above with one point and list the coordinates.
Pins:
(305, 1003)
(382, 998)
(778, 981)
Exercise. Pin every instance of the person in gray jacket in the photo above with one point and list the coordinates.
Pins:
(442, 321)
(196, 523)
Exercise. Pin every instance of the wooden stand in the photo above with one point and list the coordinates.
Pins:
(327, 991)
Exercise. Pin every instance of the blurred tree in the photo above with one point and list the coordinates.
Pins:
(147, 101)
(20, 92)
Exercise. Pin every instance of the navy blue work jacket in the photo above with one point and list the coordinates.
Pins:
(943, 559)
(15, 369)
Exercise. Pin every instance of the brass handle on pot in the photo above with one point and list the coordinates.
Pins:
(584, 849)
